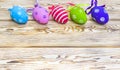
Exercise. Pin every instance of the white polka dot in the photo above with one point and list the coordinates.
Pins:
(81, 21)
(74, 17)
(19, 8)
(80, 10)
(96, 10)
(20, 21)
(19, 13)
(102, 19)
(105, 11)
(75, 8)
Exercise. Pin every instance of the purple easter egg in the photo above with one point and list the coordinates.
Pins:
(40, 14)
(100, 15)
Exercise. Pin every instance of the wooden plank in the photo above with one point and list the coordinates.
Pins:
(111, 5)
(56, 35)
(44, 2)
(59, 58)
(6, 15)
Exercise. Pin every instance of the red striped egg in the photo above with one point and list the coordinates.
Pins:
(59, 14)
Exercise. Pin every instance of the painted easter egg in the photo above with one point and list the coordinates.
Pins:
(59, 14)
(100, 15)
(78, 15)
(40, 14)
(19, 14)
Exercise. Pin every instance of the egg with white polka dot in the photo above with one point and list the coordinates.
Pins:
(19, 14)
(78, 15)
(40, 14)
(99, 15)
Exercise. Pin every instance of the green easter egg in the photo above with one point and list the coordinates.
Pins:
(78, 15)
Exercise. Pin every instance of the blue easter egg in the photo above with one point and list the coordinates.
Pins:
(19, 14)
(100, 15)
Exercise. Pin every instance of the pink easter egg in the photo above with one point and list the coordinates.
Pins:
(59, 14)
(40, 14)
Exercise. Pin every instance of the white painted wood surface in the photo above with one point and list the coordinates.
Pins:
(25, 47)
(60, 59)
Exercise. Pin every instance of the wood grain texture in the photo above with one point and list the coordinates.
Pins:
(57, 35)
(60, 59)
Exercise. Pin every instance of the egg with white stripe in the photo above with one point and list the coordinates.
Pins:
(19, 14)
(59, 14)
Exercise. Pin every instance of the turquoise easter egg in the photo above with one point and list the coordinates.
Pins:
(19, 14)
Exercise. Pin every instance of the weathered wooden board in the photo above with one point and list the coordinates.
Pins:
(60, 59)
(56, 35)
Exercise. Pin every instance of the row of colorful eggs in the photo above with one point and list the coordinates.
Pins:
(59, 14)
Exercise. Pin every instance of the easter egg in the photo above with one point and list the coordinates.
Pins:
(59, 14)
(100, 15)
(19, 14)
(78, 15)
(40, 14)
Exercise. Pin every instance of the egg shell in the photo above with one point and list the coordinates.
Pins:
(78, 15)
(19, 14)
(41, 15)
(59, 14)
(100, 15)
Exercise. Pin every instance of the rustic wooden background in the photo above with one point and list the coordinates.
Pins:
(57, 35)
(60, 59)
(14, 39)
